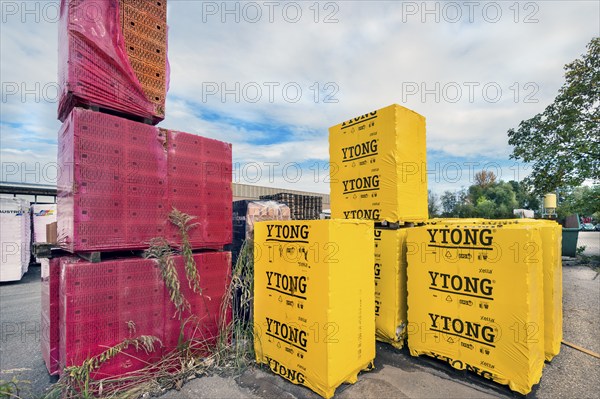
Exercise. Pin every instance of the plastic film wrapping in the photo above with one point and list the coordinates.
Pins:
(390, 286)
(112, 192)
(120, 179)
(202, 322)
(378, 166)
(551, 235)
(199, 184)
(49, 320)
(301, 207)
(476, 301)
(102, 304)
(313, 300)
(104, 65)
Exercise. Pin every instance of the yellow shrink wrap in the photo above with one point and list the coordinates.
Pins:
(476, 299)
(453, 220)
(314, 317)
(378, 166)
(390, 286)
(551, 234)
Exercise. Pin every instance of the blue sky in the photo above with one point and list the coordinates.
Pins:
(292, 69)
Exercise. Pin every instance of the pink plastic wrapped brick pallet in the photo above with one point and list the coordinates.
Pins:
(120, 179)
(202, 320)
(112, 190)
(99, 64)
(49, 341)
(103, 304)
(199, 181)
(100, 305)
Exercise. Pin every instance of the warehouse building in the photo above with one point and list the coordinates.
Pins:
(250, 192)
(47, 193)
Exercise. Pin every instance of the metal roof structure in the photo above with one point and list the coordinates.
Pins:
(240, 191)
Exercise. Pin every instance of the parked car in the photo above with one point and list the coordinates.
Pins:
(598, 227)
(588, 227)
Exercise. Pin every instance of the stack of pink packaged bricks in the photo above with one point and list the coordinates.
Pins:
(120, 179)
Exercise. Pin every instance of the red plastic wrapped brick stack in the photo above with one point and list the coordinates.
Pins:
(112, 190)
(199, 181)
(49, 313)
(113, 56)
(203, 318)
(102, 304)
(120, 177)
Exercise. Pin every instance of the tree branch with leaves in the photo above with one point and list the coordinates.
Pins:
(563, 142)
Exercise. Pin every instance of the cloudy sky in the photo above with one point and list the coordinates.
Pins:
(271, 77)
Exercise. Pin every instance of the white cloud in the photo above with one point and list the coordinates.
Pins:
(372, 56)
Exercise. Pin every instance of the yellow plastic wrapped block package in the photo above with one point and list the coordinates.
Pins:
(434, 221)
(390, 286)
(475, 299)
(378, 166)
(314, 317)
(553, 312)
(551, 234)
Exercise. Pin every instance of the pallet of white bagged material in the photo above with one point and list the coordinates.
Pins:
(15, 236)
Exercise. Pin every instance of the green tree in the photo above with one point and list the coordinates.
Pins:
(525, 198)
(584, 201)
(487, 198)
(432, 204)
(449, 203)
(485, 208)
(466, 210)
(563, 142)
(496, 200)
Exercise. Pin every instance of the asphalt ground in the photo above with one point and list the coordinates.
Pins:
(591, 241)
(397, 375)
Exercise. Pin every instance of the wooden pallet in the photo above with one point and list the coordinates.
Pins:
(397, 225)
(46, 250)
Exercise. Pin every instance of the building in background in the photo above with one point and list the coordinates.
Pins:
(251, 192)
(45, 193)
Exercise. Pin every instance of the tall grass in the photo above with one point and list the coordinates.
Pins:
(231, 353)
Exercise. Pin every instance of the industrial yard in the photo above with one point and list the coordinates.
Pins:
(362, 229)
(396, 375)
